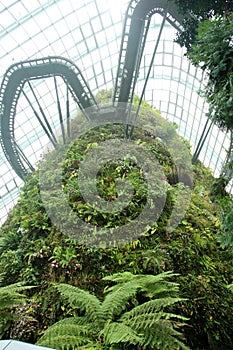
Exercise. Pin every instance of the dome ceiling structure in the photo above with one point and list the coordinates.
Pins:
(128, 47)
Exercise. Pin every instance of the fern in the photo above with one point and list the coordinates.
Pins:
(66, 342)
(115, 333)
(91, 347)
(151, 306)
(16, 287)
(70, 333)
(82, 300)
(128, 285)
(116, 301)
(10, 241)
(162, 336)
(10, 297)
(113, 324)
(157, 286)
(152, 285)
(120, 277)
(148, 320)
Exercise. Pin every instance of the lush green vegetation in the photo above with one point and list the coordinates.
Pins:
(195, 12)
(212, 51)
(33, 251)
(122, 319)
(207, 36)
(10, 298)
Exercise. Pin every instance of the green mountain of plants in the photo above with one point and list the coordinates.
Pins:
(34, 251)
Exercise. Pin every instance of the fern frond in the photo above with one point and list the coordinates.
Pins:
(10, 300)
(93, 346)
(68, 331)
(73, 325)
(15, 287)
(66, 342)
(117, 301)
(151, 306)
(159, 286)
(146, 320)
(119, 277)
(157, 326)
(10, 296)
(123, 277)
(158, 329)
(82, 300)
(162, 336)
(152, 285)
(115, 333)
(146, 325)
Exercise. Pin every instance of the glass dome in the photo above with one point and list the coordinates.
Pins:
(91, 38)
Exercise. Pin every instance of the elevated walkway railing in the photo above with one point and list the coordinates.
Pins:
(12, 87)
(135, 30)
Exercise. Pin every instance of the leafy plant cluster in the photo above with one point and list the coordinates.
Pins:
(195, 12)
(34, 252)
(207, 35)
(212, 51)
(121, 321)
(11, 297)
(123, 169)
